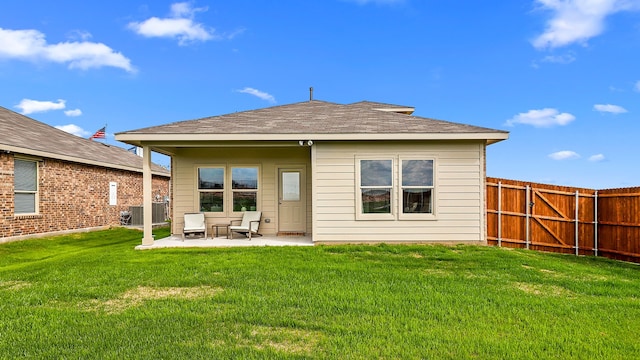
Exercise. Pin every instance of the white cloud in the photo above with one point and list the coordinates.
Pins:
(546, 117)
(576, 21)
(184, 9)
(596, 158)
(74, 129)
(28, 106)
(637, 87)
(179, 25)
(554, 59)
(559, 59)
(234, 33)
(564, 155)
(262, 95)
(31, 45)
(614, 109)
(80, 35)
(73, 113)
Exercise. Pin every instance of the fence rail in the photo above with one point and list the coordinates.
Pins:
(564, 219)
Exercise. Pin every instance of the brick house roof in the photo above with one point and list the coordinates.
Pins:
(315, 119)
(21, 134)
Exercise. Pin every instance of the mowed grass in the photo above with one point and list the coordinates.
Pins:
(93, 296)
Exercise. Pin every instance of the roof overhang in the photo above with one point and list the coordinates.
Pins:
(50, 155)
(141, 139)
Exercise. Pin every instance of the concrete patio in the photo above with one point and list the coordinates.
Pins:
(222, 241)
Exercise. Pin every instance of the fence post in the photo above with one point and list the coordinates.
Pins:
(528, 201)
(499, 213)
(595, 222)
(577, 221)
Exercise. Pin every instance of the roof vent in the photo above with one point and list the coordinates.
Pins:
(311, 93)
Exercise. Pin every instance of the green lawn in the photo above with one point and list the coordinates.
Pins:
(93, 296)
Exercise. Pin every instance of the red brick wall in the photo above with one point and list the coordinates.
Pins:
(71, 196)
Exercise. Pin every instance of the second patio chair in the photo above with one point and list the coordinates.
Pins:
(249, 224)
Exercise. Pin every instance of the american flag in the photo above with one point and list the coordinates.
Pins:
(99, 134)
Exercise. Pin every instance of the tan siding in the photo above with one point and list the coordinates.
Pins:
(458, 176)
(458, 201)
(334, 175)
(186, 161)
(327, 210)
(335, 203)
(454, 196)
(338, 196)
(338, 228)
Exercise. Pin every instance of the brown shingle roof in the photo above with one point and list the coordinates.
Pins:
(316, 117)
(28, 136)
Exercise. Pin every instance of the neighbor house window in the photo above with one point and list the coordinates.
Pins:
(211, 189)
(375, 184)
(26, 186)
(416, 186)
(244, 188)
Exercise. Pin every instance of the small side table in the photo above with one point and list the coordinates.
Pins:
(215, 228)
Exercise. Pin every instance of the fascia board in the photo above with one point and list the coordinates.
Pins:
(137, 138)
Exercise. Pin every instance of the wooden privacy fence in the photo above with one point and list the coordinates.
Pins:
(564, 219)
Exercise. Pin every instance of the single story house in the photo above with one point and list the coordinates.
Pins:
(361, 172)
(54, 182)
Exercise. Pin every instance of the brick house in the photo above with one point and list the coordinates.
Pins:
(54, 182)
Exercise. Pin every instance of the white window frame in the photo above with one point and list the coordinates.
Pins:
(232, 191)
(358, 188)
(417, 216)
(36, 192)
(223, 190)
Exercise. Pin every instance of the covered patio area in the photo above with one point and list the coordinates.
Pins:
(175, 241)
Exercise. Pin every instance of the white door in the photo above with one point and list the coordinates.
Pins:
(292, 204)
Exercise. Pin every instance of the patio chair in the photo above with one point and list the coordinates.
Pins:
(194, 223)
(249, 224)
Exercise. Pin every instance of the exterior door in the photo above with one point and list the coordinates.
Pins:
(292, 204)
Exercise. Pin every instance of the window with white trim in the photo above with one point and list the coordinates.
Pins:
(244, 188)
(375, 188)
(211, 189)
(395, 188)
(25, 181)
(416, 186)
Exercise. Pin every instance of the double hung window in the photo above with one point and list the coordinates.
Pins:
(417, 186)
(25, 186)
(244, 186)
(375, 188)
(211, 189)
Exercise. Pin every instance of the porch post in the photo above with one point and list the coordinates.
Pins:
(147, 190)
(314, 193)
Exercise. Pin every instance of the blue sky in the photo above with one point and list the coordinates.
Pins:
(561, 75)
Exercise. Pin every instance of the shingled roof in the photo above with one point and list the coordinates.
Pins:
(21, 134)
(318, 120)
